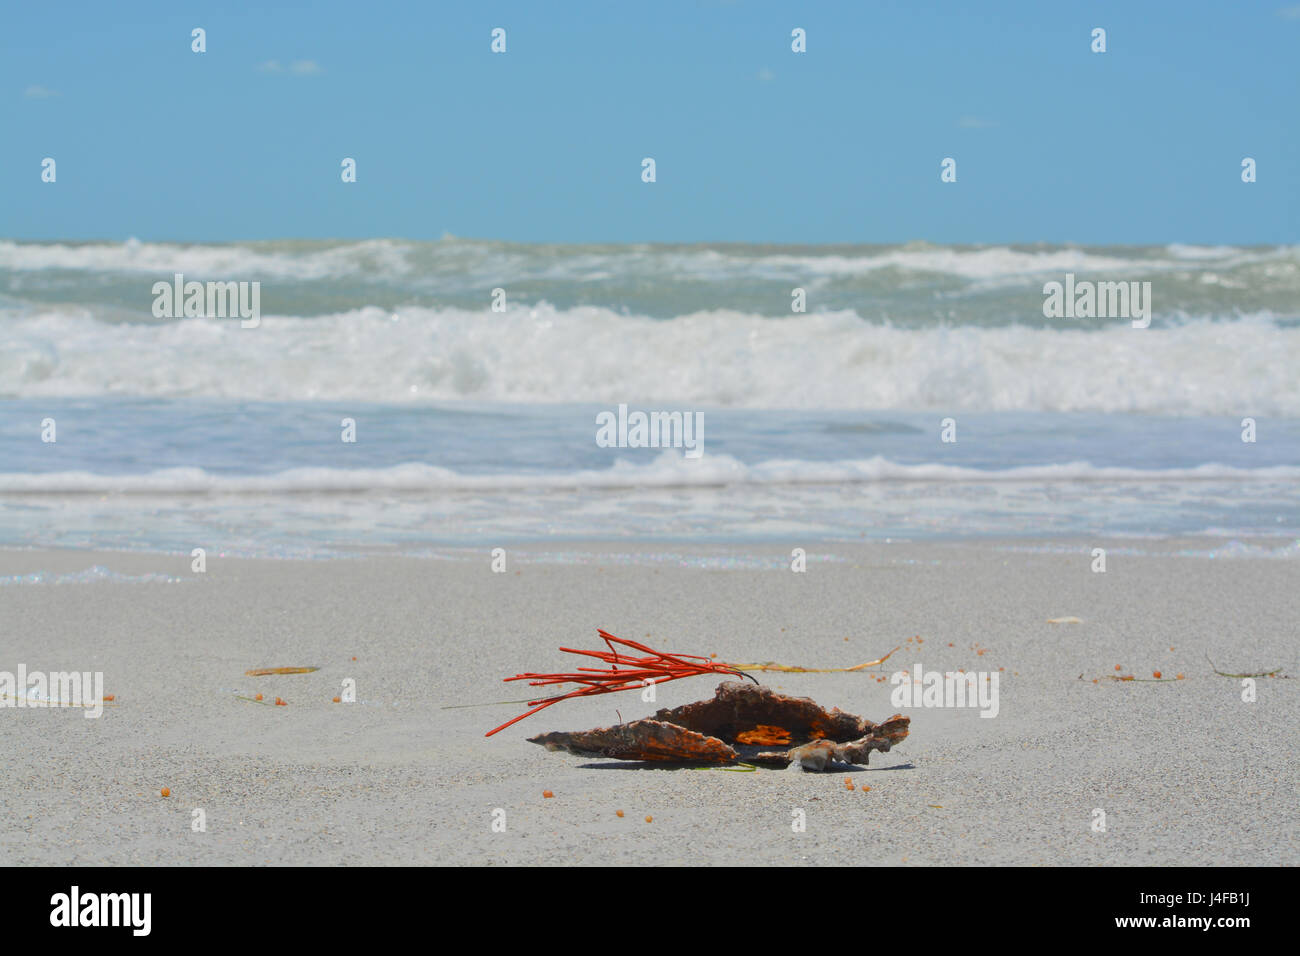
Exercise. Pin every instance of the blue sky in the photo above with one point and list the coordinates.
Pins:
(752, 142)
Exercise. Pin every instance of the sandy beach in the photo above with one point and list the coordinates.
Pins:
(1185, 770)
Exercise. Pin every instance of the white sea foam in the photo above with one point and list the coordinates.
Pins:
(988, 263)
(97, 574)
(669, 470)
(1245, 366)
(400, 259)
(162, 259)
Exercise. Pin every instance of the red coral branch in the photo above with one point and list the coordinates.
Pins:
(656, 666)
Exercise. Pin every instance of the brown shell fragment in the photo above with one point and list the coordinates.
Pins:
(739, 724)
(640, 740)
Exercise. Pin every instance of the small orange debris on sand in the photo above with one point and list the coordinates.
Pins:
(166, 792)
(848, 784)
(1117, 667)
(618, 813)
(110, 697)
(1171, 648)
(950, 643)
(713, 656)
(865, 789)
(649, 819)
(280, 702)
(547, 794)
(267, 671)
(257, 697)
(1178, 677)
(1156, 675)
(338, 700)
(354, 658)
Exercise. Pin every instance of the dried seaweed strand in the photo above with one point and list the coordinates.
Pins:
(1214, 667)
(789, 669)
(656, 666)
(1129, 679)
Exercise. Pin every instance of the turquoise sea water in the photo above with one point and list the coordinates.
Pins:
(479, 427)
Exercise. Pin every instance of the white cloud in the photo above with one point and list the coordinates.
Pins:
(974, 122)
(40, 93)
(766, 75)
(1289, 13)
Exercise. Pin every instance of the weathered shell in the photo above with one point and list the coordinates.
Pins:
(740, 723)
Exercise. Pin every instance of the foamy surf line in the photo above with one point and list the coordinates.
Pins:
(830, 360)
(670, 470)
(402, 258)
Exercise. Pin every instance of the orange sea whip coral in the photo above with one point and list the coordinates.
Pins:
(656, 667)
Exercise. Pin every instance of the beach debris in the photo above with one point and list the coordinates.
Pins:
(547, 794)
(1061, 620)
(1275, 672)
(166, 792)
(711, 731)
(268, 671)
(655, 668)
(1157, 678)
(42, 699)
(791, 669)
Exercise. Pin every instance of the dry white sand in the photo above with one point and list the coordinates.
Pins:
(1186, 771)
